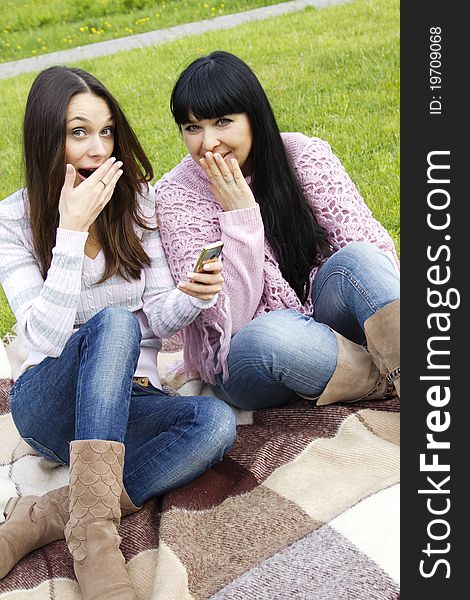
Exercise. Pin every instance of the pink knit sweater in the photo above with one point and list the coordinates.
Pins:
(189, 216)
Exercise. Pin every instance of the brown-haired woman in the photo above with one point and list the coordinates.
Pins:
(84, 271)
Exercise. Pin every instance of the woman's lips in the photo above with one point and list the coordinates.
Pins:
(224, 155)
(85, 173)
(80, 176)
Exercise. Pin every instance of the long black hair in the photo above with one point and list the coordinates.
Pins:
(219, 84)
(44, 137)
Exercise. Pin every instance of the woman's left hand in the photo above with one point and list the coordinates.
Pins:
(204, 285)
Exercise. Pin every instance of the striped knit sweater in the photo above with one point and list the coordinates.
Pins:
(48, 311)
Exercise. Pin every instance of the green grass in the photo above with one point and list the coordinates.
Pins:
(332, 73)
(35, 27)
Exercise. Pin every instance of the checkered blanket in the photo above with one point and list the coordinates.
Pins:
(305, 506)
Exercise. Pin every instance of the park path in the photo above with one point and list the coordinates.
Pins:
(153, 38)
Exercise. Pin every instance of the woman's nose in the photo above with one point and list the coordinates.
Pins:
(97, 147)
(210, 141)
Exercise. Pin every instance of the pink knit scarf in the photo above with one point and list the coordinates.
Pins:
(188, 213)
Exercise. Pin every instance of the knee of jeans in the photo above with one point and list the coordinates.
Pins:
(121, 323)
(269, 325)
(371, 258)
(359, 251)
(264, 337)
(359, 257)
(219, 423)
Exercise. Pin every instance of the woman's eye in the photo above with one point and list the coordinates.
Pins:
(223, 122)
(78, 132)
(108, 131)
(191, 128)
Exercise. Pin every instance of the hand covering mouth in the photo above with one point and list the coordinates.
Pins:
(86, 172)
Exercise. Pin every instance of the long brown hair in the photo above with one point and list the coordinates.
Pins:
(44, 136)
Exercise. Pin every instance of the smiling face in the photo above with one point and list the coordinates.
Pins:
(229, 135)
(90, 134)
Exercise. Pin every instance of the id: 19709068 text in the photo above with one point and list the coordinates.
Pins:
(435, 73)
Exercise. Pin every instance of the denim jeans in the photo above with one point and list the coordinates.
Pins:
(283, 353)
(88, 393)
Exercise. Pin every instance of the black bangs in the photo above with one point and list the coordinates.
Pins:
(222, 84)
(207, 90)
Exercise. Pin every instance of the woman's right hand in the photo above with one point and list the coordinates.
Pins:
(205, 284)
(80, 206)
(227, 183)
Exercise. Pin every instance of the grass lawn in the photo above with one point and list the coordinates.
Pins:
(332, 73)
(35, 27)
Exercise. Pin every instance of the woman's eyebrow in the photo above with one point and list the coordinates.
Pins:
(110, 119)
(84, 119)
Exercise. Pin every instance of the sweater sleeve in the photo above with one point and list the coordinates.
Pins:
(188, 221)
(338, 206)
(242, 232)
(45, 310)
(167, 308)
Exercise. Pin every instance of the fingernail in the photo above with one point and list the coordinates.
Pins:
(113, 158)
(217, 155)
(208, 154)
(208, 267)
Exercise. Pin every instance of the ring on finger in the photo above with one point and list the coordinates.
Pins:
(230, 181)
(101, 181)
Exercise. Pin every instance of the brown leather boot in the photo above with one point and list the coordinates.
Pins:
(31, 522)
(91, 532)
(355, 376)
(382, 331)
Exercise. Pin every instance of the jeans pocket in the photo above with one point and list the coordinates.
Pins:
(43, 451)
(149, 390)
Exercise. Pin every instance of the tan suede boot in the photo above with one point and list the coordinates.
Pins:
(31, 522)
(355, 377)
(91, 532)
(382, 331)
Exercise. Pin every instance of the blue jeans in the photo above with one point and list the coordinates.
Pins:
(284, 353)
(88, 393)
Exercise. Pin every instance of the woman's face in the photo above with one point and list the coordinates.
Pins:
(90, 134)
(229, 135)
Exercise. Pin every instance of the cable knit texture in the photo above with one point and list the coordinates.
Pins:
(49, 311)
(189, 216)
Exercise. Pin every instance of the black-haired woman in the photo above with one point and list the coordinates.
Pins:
(310, 276)
(85, 274)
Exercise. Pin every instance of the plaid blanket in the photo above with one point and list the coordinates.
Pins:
(304, 506)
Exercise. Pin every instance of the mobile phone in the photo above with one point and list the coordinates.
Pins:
(209, 253)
